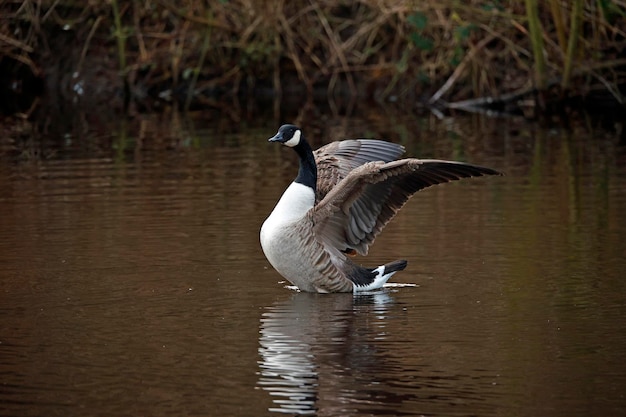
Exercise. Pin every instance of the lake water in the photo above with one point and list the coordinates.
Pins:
(132, 282)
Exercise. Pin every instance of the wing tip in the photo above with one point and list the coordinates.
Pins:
(464, 169)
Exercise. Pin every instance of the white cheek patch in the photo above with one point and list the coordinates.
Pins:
(295, 140)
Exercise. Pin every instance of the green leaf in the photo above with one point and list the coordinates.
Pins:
(495, 5)
(457, 56)
(418, 20)
(463, 32)
(422, 77)
(421, 42)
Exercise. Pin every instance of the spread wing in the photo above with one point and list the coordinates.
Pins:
(356, 210)
(335, 160)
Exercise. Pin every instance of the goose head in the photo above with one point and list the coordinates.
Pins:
(288, 135)
(292, 137)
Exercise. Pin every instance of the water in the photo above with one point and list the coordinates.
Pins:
(132, 281)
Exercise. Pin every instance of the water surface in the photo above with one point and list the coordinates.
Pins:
(132, 281)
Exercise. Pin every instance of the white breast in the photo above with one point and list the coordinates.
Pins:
(293, 205)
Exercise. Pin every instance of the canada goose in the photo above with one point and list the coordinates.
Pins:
(343, 196)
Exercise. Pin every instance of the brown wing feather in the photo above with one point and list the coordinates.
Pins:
(336, 160)
(357, 209)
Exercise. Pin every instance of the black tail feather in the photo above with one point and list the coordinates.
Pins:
(394, 266)
(364, 276)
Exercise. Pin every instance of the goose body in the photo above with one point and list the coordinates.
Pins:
(343, 196)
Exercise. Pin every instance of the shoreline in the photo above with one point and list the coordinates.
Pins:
(474, 57)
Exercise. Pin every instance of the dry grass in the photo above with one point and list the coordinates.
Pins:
(445, 50)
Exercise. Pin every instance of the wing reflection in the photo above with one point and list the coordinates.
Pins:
(312, 347)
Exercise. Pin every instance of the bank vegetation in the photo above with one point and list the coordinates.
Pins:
(499, 54)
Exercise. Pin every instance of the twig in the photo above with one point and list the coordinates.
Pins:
(15, 43)
(574, 32)
(459, 70)
(87, 42)
(339, 54)
(536, 40)
(205, 47)
(611, 88)
(482, 102)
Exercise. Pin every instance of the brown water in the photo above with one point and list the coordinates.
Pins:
(132, 281)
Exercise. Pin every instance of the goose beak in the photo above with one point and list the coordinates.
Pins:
(278, 137)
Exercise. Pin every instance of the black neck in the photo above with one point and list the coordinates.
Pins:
(307, 174)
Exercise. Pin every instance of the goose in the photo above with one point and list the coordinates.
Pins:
(343, 196)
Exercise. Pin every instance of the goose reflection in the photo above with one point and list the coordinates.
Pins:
(312, 347)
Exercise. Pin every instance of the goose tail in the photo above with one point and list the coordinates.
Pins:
(374, 278)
